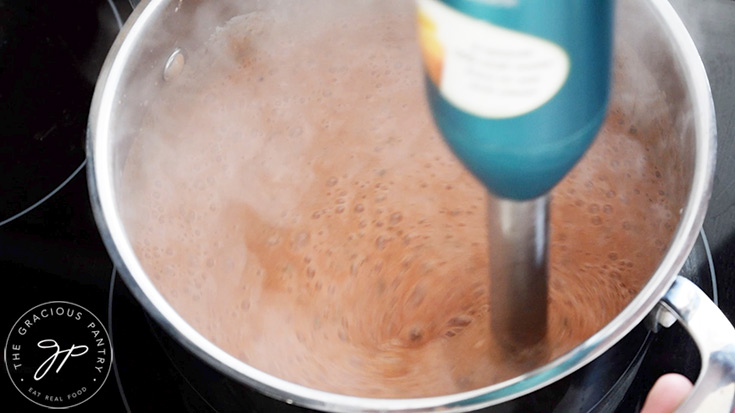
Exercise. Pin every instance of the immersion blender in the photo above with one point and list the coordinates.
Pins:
(519, 89)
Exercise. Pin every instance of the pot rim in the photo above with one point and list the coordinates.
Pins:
(102, 197)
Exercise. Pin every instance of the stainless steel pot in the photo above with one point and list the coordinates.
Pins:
(648, 32)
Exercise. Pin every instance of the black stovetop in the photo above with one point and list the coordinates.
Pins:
(50, 54)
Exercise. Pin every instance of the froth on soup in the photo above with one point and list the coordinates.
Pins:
(289, 195)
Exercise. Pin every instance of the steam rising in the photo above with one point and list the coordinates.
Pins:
(290, 197)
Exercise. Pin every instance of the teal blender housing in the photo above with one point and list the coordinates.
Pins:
(509, 47)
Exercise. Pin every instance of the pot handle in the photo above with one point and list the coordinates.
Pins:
(714, 335)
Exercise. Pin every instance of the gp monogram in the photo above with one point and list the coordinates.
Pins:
(58, 354)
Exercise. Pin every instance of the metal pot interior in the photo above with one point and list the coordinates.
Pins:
(654, 58)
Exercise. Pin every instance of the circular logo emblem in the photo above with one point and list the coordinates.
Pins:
(58, 354)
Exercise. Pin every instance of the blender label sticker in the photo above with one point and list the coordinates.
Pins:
(58, 355)
(487, 70)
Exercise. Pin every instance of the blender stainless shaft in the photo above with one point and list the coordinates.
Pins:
(518, 101)
(518, 238)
